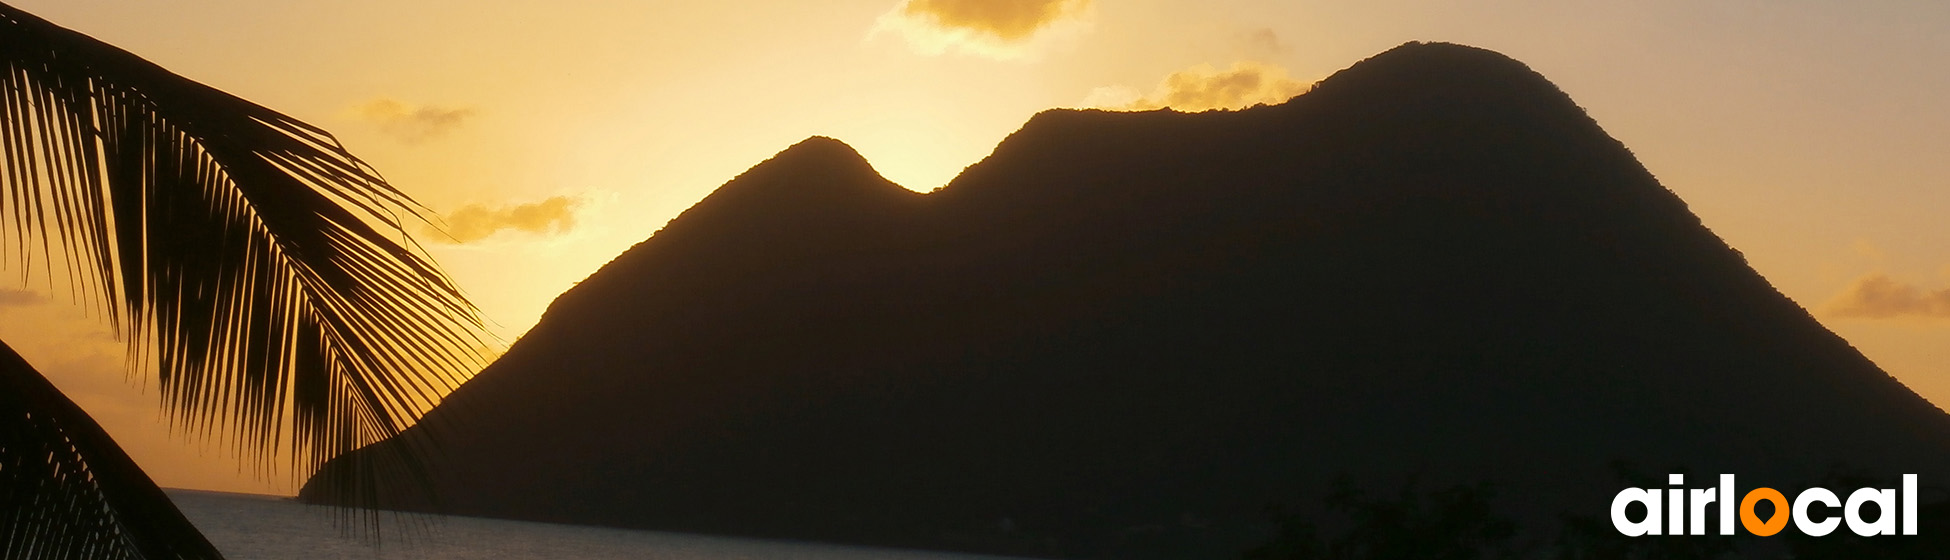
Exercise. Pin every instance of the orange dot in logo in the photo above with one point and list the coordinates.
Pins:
(1752, 522)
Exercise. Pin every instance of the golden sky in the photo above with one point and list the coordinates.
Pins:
(551, 136)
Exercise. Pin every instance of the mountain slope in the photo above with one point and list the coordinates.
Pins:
(1123, 334)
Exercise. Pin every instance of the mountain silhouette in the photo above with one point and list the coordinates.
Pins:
(1123, 335)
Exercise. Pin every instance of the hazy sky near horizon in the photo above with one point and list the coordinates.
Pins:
(551, 136)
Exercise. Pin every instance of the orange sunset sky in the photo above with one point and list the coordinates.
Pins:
(550, 136)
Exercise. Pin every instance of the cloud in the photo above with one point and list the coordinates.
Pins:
(999, 29)
(1877, 296)
(475, 222)
(10, 297)
(1262, 42)
(1203, 87)
(412, 124)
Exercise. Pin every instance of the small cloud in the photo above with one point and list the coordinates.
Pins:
(1262, 42)
(1009, 20)
(10, 297)
(1877, 296)
(999, 29)
(475, 222)
(412, 124)
(1203, 87)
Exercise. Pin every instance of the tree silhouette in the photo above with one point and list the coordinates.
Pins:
(245, 255)
(1454, 523)
(1592, 537)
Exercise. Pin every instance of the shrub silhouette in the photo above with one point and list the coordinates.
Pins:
(1454, 523)
(1590, 537)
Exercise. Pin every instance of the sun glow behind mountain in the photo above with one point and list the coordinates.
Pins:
(1807, 136)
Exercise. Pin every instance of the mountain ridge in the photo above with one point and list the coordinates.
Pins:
(1124, 320)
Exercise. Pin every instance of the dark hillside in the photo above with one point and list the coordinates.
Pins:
(1123, 334)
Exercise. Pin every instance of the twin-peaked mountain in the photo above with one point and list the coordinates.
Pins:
(1125, 334)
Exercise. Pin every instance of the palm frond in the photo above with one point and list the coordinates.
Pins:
(250, 258)
(66, 489)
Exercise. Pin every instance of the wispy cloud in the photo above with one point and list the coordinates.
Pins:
(999, 29)
(1262, 42)
(412, 124)
(1877, 296)
(10, 297)
(1204, 87)
(476, 222)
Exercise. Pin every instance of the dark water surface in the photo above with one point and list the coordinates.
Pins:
(250, 527)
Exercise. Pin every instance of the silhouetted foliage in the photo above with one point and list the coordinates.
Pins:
(250, 261)
(1592, 537)
(1455, 523)
(66, 489)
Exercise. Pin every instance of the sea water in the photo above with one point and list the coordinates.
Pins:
(251, 527)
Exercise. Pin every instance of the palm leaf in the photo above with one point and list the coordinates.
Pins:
(250, 259)
(66, 490)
